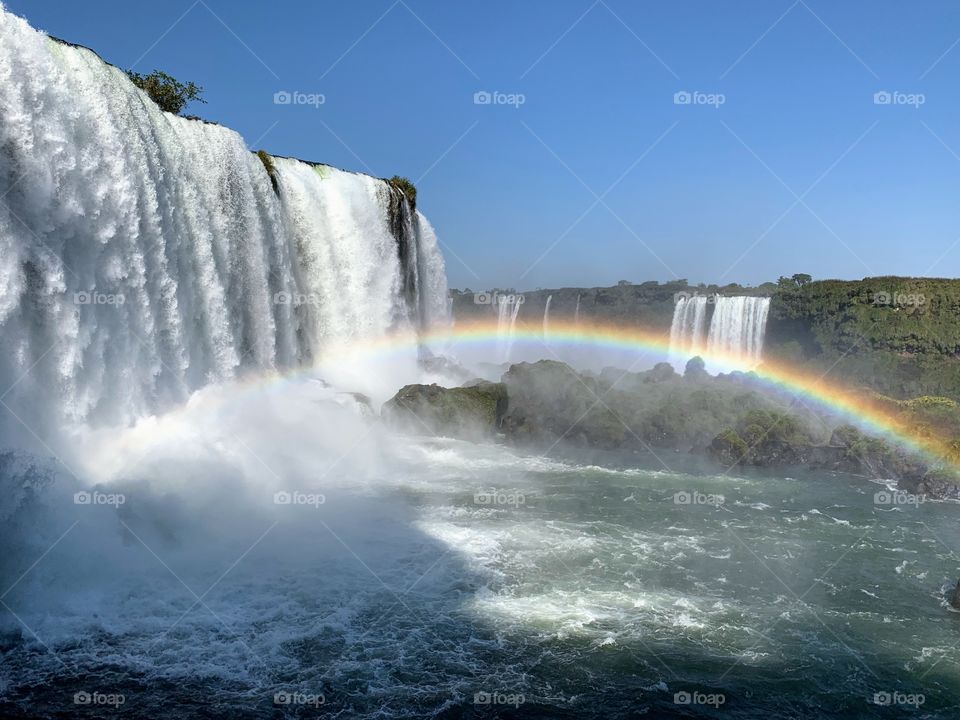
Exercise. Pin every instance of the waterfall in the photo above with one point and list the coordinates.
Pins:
(576, 311)
(687, 328)
(508, 307)
(144, 255)
(546, 316)
(737, 328)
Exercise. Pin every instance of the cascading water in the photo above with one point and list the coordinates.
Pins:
(144, 255)
(737, 328)
(546, 316)
(576, 311)
(508, 307)
(687, 328)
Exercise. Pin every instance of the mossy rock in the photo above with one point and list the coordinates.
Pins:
(464, 412)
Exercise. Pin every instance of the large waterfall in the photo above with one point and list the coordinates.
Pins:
(143, 255)
(736, 330)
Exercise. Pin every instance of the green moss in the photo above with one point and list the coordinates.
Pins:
(730, 448)
(459, 412)
(271, 169)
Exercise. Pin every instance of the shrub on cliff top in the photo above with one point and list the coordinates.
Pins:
(407, 188)
(167, 92)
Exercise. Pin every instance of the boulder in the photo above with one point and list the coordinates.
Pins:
(470, 413)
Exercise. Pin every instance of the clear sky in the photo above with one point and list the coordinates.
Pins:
(783, 163)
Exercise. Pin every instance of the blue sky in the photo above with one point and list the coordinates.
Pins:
(798, 170)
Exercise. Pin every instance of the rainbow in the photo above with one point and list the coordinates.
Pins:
(868, 412)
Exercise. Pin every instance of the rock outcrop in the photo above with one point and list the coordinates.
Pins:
(470, 413)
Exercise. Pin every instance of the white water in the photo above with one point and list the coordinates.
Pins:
(546, 316)
(576, 312)
(737, 328)
(508, 307)
(687, 329)
(143, 255)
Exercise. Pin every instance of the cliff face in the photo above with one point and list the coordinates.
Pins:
(897, 336)
(901, 315)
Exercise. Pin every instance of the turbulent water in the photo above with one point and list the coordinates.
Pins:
(143, 250)
(432, 578)
(736, 327)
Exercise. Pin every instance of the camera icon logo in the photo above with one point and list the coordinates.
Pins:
(282, 98)
(882, 698)
(482, 97)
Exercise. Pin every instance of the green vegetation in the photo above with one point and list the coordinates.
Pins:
(271, 169)
(406, 187)
(900, 315)
(167, 92)
(897, 336)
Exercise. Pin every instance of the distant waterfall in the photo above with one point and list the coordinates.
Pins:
(688, 327)
(576, 312)
(508, 307)
(144, 255)
(546, 316)
(735, 333)
(738, 327)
